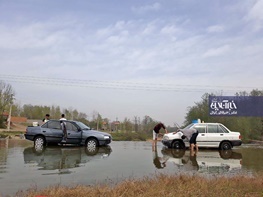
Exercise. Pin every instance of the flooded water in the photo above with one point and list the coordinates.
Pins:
(22, 167)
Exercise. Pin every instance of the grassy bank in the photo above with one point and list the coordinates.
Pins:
(163, 185)
(129, 136)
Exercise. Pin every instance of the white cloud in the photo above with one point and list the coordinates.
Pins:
(255, 12)
(255, 15)
(33, 35)
(215, 29)
(147, 8)
(170, 30)
(149, 29)
(217, 51)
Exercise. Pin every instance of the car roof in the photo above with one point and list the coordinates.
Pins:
(207, 123)
(63, 120)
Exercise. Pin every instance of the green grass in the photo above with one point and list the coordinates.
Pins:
(3, 135)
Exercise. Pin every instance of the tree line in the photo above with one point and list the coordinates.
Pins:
(249, 127)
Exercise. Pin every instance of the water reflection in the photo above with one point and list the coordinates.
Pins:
(159, 162)
(204, 161)
(190, 162)
(3, 154)
(63, 158)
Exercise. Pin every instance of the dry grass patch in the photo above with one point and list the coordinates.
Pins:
(162, 185)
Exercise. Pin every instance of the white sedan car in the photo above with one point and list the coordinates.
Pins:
(211, 135)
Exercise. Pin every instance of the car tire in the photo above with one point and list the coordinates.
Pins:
(177, 145)
(39, 143)
(91, 145)
(225, 146)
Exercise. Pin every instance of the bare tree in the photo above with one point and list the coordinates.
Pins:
(6, 99)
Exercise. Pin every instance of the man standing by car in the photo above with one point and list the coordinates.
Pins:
(62, 117)
(64, 129)
(157, 129)
(46, 118)
(191, 135)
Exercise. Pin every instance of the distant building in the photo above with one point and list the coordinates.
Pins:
(14, 119)
(114, 125)
(18, 119)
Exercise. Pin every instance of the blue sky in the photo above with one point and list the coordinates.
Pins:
(130, 58)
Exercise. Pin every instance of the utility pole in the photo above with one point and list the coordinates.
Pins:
(135, 124)
(10, 111)
(98, 122)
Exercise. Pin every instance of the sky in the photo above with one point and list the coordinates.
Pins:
(132, 58)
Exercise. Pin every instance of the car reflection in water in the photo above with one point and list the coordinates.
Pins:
(205, 161)
(63, 158)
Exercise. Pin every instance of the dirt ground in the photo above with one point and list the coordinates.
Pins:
(19, 127)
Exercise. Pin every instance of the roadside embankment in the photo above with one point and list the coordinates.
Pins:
(162, 185)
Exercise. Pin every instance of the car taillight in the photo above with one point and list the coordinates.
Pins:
(240, 137)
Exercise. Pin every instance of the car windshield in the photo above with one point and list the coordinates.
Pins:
(189, 126)
(83, 126)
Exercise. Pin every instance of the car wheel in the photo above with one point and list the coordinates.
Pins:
(91, 145)
(225, 146)
(177, 145)
(39, 143)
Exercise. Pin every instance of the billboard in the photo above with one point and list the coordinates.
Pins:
(236, 106)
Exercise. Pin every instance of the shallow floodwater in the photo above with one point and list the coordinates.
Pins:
(22, 167)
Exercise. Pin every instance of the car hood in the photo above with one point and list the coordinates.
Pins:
(173, 135)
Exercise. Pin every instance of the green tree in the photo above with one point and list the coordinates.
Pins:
(75, 114)
(55, 112)
(249, 127)
(127, 125)
(199, 110)
(148, 124)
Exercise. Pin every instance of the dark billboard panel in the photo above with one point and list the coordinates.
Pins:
(236, 106)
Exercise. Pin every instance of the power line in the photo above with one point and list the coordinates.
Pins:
(123, 85)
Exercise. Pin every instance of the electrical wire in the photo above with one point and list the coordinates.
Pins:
(122, 85)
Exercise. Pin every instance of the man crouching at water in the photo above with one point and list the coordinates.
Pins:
(191, 135)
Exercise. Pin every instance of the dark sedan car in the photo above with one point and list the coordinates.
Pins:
(77, 133)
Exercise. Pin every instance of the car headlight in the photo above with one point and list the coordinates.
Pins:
(106, 137)
(165, 137)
